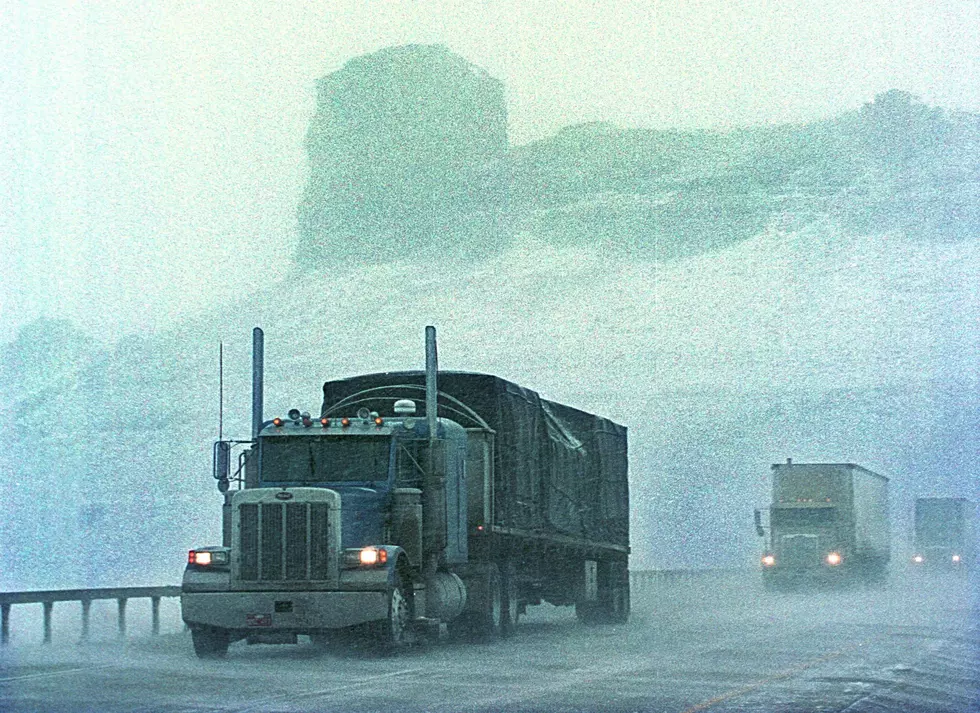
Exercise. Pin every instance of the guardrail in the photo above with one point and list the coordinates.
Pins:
(86, 596)
(643, 579)
(640, 581)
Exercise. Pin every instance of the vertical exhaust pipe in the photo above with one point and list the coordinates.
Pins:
(431, 386)
(258, 359)
(434, 485)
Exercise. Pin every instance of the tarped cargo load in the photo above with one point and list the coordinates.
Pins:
(557, 470)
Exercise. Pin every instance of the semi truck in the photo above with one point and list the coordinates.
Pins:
(415, 504)
(828, 523)
(944, 534)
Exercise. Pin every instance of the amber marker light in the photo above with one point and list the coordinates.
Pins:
(324, 422)
(277, 422)
(345, 422)
(378, 421)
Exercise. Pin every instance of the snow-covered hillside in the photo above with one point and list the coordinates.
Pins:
(813, 344)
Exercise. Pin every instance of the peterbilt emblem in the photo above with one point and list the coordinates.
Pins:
(284, 496)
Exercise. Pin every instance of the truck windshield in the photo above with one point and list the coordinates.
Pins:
(329, 459)
(802, 517)
(936, 527)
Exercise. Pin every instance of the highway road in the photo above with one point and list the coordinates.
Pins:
(715, 643)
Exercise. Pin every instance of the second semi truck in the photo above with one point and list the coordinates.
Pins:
(413, 500)
(828, 522)
(944, 535)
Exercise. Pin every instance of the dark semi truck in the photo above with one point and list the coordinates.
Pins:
(413, 500)
(944, 534)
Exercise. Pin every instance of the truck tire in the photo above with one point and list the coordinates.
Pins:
(510, 599)
(483, 619)
(619, 612)
(210, 643)
(390, 634)
(612, 605)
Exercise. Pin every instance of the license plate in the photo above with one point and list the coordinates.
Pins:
(258, 619)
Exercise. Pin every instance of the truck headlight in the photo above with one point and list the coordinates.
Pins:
(918, 559)
(209, 557)
(365, 557)
(956, 558)
(768, 561)
(834, 559)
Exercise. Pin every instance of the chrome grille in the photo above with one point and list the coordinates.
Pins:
(283, 541)
(799, 551)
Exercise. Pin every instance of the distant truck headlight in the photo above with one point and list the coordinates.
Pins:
(209, 558)
(918, 559)
(833, 559)
(956, 558)
(768, 561)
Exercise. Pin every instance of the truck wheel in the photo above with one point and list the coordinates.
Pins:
(619, 612)
(490, 624)
(391, 633)
(210, 643)
(510, 599)
(589, 612)
(483, 619)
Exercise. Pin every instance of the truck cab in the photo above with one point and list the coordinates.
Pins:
(327, 532)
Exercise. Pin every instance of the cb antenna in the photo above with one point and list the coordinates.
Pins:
(221, 390)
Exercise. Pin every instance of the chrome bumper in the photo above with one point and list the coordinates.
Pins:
(295, 612)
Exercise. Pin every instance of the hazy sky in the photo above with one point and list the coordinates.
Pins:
(151, 153)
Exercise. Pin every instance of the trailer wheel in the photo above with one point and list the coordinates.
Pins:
(210, 643)
(620, 609)
(613, 603)
(510, 599)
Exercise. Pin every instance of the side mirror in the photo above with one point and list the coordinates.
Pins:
(221, 464)
(759, 529)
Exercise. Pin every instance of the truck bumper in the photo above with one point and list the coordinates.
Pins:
(294, 612)
(818, 577)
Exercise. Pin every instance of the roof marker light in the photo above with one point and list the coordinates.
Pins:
(277, 422)
(345, 422)
(324, 422)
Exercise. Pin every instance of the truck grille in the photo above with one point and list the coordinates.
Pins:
(799, 552)
(283, 541)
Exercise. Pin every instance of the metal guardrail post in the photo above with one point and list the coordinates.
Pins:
(86, 610)
(122, 616)
(48, 608)
(4, 624)
(155, 609)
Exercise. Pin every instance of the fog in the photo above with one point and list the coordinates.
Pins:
(158, 162)
(153, 161)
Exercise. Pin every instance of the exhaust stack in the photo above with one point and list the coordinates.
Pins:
(431, 387)
(434, 484)
(258, 358)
